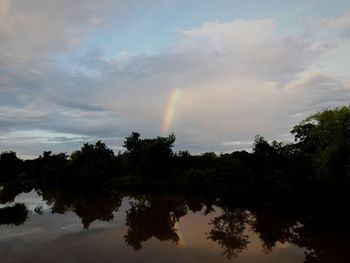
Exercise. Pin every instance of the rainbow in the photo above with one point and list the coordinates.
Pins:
(170, 109)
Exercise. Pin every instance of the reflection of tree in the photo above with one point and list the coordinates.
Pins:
(88, 206)
(15, 215)
(273, 227)
(322, 232)
(324, 249)
(96, 208)
(155, 217)
(228, 231)
(9, 191)
(197, 205)
(325, 237)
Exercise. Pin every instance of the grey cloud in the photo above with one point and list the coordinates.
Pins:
(36, 26)
(339, 23)
(79, 105)
(318, 90)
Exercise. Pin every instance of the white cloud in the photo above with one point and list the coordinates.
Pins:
(251, 47)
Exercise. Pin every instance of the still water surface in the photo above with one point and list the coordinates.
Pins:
(57, 227)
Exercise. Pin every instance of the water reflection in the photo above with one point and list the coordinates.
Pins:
(153, 217)
(9, 191)
(13, 215)
(229, 231)
(275, 226)
(239, 233)
(89, 206)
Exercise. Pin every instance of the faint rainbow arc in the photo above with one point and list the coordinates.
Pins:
(169, 111)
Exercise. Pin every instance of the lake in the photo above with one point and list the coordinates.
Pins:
(58, 226)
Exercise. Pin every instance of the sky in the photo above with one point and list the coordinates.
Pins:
(214, 73)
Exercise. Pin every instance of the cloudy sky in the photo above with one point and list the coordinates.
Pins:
(216, 73)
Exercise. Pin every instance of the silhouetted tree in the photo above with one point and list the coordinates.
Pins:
(324, 138)
(94, 164)
(149, 159)
(10, 165)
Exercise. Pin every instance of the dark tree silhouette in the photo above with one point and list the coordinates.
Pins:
(94, 164)
(10, 165)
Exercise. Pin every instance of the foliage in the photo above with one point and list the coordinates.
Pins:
(10, 164)
(324, 139)
(148, 157)
(93, 164)
(315, 167)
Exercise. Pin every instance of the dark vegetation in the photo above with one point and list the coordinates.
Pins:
(313, 170)
(296, 193)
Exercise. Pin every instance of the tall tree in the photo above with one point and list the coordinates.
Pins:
(324, 138)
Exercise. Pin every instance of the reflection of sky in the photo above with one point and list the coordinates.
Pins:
(48, 224)
(60, 238)
(32, 200)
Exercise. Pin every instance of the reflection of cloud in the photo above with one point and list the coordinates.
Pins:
(181, 242)
(73, 226)
(283, 245)
(32, 200)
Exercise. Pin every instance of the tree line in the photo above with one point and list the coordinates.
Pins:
(316, 167)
